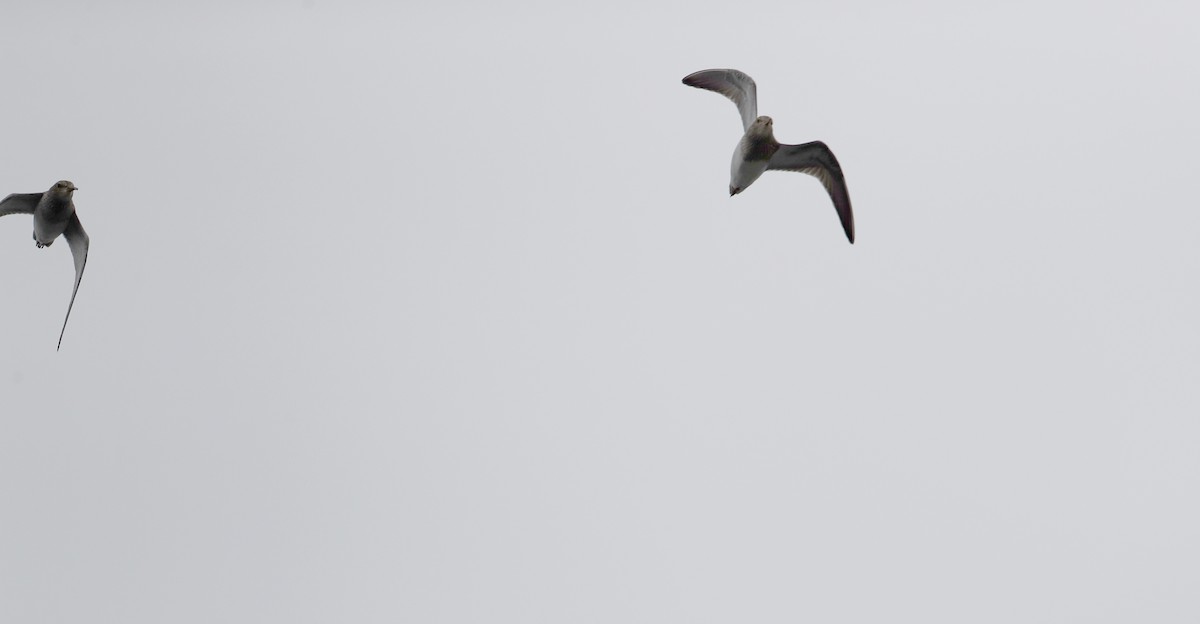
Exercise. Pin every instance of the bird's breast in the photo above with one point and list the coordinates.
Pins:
(759, 149)
(750, 160)
(50, 220)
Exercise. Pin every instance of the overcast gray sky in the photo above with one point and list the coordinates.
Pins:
(443, 314)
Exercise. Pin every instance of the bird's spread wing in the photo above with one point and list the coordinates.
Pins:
(816, 160)
(732, 84)
(78, 240)
(19, 203)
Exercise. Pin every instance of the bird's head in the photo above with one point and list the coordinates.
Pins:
(763, 125)
(65, 187)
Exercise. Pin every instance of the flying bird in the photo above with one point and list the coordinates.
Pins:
(758, 151)
(53, 214)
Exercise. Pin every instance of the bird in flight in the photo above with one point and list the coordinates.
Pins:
(758, 151)
(53, 214)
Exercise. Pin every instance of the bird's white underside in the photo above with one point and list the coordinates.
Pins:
(742, 172)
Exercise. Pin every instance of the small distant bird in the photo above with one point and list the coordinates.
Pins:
(53, 214)
(758, 151)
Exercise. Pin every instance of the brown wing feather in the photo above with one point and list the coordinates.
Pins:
(818, 161)
(732, 84)
(77, 238)
(19, 203)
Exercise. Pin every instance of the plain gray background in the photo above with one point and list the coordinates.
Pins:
(442, 313)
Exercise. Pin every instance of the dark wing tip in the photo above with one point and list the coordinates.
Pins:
(845, 213)
(696, 78)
